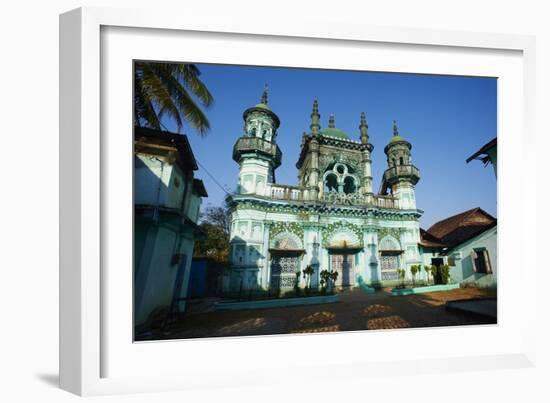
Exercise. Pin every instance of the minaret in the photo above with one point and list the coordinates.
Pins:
(312, 187)
(256, 150)
(331, 121)
(366, 179)
(364, 129)
(315, 117)
(401, 175)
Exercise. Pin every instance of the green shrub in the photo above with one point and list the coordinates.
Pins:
(414, 269)
(401, 273)
(428, 270)
(444, 273)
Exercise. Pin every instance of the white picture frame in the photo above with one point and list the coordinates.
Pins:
(91, 344)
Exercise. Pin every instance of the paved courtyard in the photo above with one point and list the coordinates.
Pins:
(355, 310)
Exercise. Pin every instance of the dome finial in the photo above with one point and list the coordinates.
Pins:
(395, 130)
(331, 120)
(264, 95)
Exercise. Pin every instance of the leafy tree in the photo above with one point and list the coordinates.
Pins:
(215, 222)
(173, 90)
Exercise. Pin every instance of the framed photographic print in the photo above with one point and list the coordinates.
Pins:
(244, 201)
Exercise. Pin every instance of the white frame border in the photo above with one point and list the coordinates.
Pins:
(80, 165)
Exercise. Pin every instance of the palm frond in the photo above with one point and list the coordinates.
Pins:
(168, 90)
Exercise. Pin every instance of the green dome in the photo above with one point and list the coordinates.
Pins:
(262, 106)
(334, 132)
(395, 139)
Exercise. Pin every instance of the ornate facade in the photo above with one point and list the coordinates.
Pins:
(332, 219)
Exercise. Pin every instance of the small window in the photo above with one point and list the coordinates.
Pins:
(349, 185)
(401, 161)
(481, 261)
(331, 183)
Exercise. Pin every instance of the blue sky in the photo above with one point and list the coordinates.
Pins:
(446, 119)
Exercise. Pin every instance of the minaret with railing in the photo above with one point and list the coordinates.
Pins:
(401, 175)
(256, 151)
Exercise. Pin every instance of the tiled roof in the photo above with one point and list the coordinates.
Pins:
(429, 241)
(457, 229)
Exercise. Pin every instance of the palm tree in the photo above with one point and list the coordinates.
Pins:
(169, 89)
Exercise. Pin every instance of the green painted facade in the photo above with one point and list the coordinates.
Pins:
(331, 219)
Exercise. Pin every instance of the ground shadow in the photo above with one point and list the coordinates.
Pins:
(49, 379)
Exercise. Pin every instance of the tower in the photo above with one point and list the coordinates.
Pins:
(401, 175)
(366, 178)
(312, 176)
(256, 151)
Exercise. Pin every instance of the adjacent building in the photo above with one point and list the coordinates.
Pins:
(167, 200)
(331, 218)
(467, 241)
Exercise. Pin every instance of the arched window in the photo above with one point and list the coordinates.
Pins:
(401, 161)
(349, 185)
(331, 183)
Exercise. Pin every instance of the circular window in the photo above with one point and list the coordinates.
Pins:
(340, 169)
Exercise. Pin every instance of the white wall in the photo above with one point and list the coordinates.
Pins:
(463, 271)
(29, 347)
(157, 182)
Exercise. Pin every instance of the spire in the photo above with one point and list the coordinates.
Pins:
(264, 95)
(395, 131)
(363, 127)
(315, 118)
(331, 121)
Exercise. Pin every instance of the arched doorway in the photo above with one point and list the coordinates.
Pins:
(286, 252)
(390, 252)
(344, 247)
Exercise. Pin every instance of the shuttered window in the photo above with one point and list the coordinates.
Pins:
(481, 262)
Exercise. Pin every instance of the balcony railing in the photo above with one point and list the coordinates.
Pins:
(247, 144)
(294, 193)
(283, 192)
(402, 171)
(355, 199)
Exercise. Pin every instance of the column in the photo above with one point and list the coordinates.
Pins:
(313, 185)
(374, 264)
(266, 270)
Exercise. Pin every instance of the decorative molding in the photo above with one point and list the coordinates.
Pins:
(331, 229)
(384, 231)
(279, 227)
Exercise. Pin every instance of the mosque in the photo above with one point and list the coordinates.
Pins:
(332, 219)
